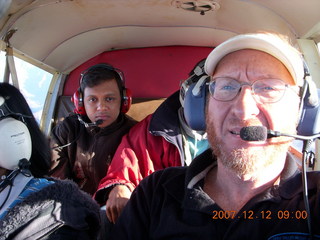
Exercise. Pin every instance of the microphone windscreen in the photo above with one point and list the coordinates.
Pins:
(254, 133)
(99, 121)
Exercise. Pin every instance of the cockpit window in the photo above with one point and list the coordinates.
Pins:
(33, 83)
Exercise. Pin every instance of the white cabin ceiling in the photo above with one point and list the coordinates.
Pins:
(63, 34)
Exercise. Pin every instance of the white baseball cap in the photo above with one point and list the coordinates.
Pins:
(269, 43)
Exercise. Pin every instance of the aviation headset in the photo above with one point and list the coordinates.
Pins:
(309, 123)
(126, 96)
(15, 141)
(193, 92)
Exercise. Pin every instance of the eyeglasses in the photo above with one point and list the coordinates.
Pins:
(264, 91)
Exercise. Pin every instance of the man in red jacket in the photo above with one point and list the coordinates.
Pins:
(163, 139)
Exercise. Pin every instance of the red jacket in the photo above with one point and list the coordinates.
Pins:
(156, 140)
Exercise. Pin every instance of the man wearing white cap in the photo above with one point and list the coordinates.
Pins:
(243, 188)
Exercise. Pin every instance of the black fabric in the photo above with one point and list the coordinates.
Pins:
(87, 159)
(166, 113)
(162, 207)
(60, 207)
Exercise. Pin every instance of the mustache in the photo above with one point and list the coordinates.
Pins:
(245, 123)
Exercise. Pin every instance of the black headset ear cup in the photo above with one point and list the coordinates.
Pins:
(126, 100)
(77, 100)
(309, 123)
(195, 106)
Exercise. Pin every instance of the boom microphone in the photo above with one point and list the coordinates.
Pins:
(272, 134)
(261, 133)
(254, 133)
(86, 124)
(99, 122)
(96, 123)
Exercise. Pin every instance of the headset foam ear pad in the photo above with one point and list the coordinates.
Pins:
(310, 118)
(126, 101)
(194, 108)
(15, 143)
(78, 103)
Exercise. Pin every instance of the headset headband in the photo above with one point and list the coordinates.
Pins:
(105, 66)
(6, 112)
(126, 96)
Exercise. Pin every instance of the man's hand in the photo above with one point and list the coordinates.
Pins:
(118, 198)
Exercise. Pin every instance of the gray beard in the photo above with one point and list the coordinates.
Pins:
(244, 161)
(250, 161)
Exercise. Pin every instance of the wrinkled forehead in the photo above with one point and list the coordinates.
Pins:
(253, 62)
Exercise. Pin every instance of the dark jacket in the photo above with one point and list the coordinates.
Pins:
(171, 204)
(58, 211)
(87, 158)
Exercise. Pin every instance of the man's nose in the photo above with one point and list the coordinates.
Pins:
(245, 106)
(101, 105)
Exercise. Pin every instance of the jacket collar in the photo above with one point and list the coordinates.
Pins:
(165, 118)
(193, 196)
